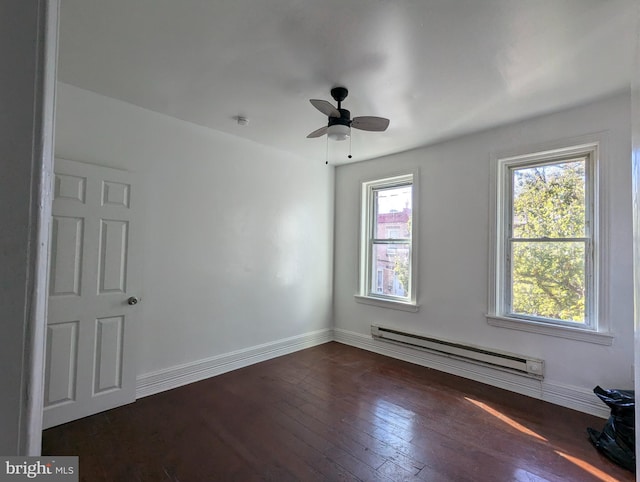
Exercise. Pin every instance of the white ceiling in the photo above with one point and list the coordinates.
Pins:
(436, 68)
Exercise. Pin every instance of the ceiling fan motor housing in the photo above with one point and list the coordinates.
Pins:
(344, 119)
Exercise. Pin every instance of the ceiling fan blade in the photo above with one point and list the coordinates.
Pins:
(325, 107)
(370, 123)
(318, 132)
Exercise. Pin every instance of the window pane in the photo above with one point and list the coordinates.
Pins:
(549, 200)
(392, 211)
(548, 280)
(390, 270)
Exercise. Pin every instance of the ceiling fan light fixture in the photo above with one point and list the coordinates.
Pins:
(338, 132)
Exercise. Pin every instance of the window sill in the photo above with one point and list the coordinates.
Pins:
(391, 304)
(599, 338)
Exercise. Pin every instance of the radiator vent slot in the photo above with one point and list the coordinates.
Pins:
(523, 365)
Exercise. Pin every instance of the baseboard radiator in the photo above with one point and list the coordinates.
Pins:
(520, 364)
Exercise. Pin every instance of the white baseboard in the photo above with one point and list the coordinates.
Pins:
(572, 397)
(566, 396)
(576, 398)
(173, 377)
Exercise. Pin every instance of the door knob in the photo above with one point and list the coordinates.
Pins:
(133, 300)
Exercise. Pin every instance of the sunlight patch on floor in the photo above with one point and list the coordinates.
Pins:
(587, 467)
(509, 421)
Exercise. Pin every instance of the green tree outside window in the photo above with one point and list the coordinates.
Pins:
(548, 241)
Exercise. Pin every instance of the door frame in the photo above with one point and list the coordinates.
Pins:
(32, 394)
(635, 193)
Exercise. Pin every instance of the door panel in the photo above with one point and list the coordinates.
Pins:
(94, 269)
(108, 356)
(113, 256)
(66, 256)
(62, 353)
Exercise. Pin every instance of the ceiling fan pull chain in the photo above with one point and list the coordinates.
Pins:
(350, 139)
(326, 152)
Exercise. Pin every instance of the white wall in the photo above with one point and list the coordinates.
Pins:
(238, 237)
(453, 245)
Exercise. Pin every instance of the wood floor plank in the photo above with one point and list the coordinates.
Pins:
(363, 439)
(335, 413)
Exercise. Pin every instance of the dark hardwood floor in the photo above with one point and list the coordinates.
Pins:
(334, 412)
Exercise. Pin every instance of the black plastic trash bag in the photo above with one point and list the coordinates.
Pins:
(617, 440)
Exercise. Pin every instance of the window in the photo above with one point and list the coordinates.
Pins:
(546, 240)
(387, 251)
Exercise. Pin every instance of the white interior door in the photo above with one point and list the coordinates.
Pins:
(94, 287)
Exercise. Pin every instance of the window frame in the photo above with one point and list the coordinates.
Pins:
(595, 327)
(588, 241)
(367, 241)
